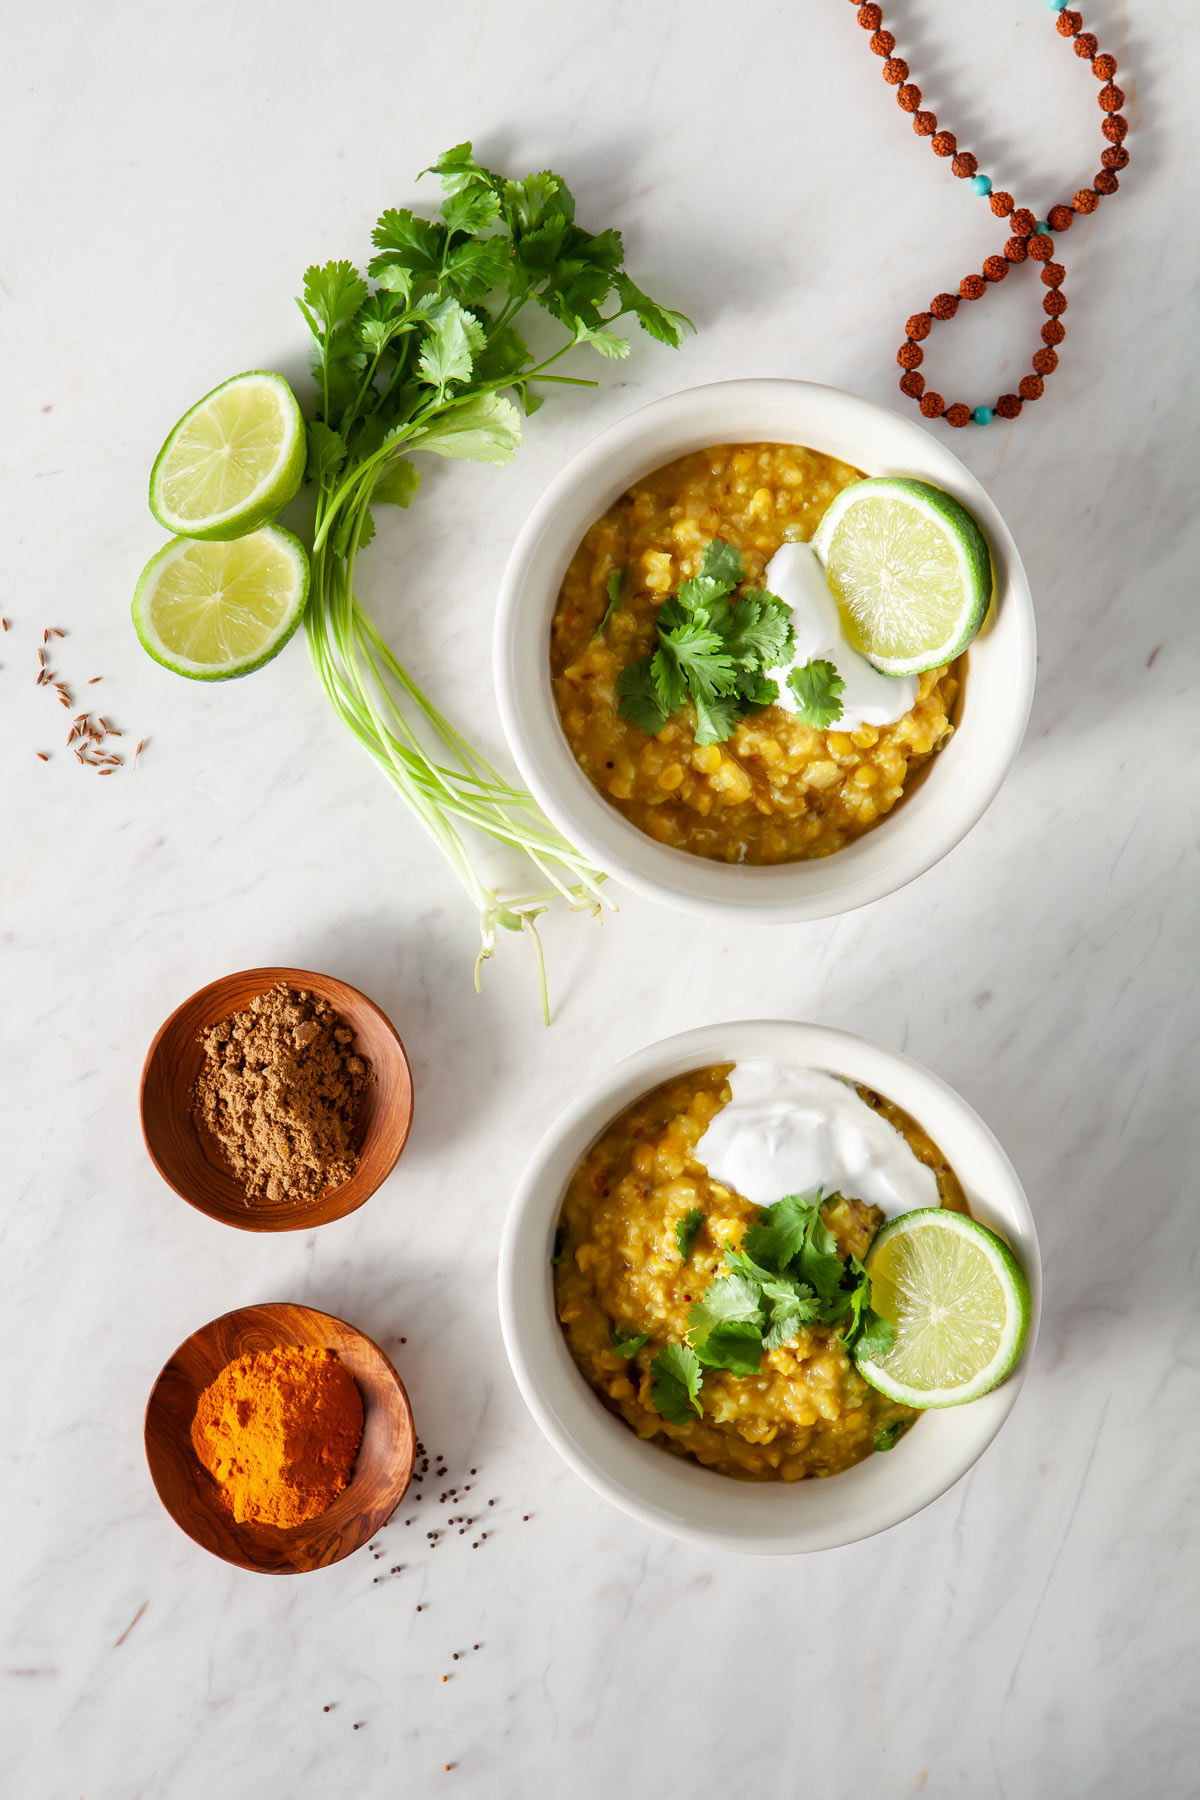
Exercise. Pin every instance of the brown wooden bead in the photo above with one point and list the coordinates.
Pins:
(1008, 406)
(1040, 247)
(1115, 157)
(919, 326)
(910, 355)
(972, 287)
(883, 43)
(912, 384)
(1105, 182)
(1053, 331)
(1115, 128)
(1060, 218)
(1017, 249)
(1111, 98)
(924, 123)
(1069, 23)
(1086, 44)
(958, 415)
(995, 268)
(870, 17)
(1053, 274)
(1045, 361)
(943, 143)
(1001, 203)
(1104, 67)
(908, 97)
(964, 164)
(944, 306)
(1023, 222)
(1054, 303)
(1031, 387)
(1086, 201)
(895, 70)
(932, 405)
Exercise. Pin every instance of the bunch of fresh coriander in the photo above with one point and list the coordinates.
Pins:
(423, 356)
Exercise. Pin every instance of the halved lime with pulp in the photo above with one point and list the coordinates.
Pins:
(215, 610)
(233, 462)
(910, 570)
(958, 1301)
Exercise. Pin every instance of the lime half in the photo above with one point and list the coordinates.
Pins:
(959, 1303)
(910, 571)
(233, 462)
(212, 610)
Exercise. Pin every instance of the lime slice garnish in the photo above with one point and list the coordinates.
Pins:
(959, 1304)
(233, 462)
(910, 571)
(215, 610)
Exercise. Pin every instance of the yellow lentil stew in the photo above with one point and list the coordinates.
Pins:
(778, 790)
(807, 1412)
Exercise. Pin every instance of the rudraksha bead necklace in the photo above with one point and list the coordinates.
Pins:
(1031, 237)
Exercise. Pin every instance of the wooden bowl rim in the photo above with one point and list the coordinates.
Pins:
(302, 1219)
(282, 1306)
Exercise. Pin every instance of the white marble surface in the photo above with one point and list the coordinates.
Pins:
(169, 172)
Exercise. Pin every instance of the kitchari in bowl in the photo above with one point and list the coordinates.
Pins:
(764, 646)
(747, 695)
(712, 1277)
(769, 1286)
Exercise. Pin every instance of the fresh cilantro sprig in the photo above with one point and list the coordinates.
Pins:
(627, 1344)
(712, 649)
(613, 589)
(424, 354)
(686, 1230)
(818, 688)
(675, 1383)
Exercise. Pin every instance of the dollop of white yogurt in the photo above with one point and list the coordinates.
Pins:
(796, 574)
(791, 1130)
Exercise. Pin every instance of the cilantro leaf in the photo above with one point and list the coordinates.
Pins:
(819, 1263)
(760, 633)
(528, 203)
(326, 452)
(398, 483)
(639, 697)
(675, 1384)
(818, 687)
(448, 348)
(782, 1230)
(789, 1313)
(686, 1230)
(877, 1337)
(717, 715)
(476, 266)
(612, 588)
(458, 169)
(472, 206)
(889, 1437)
(736, 1346)
(414, 243)
(722, 563)
(661, 323)
(731, 1299)
(332, 295)
(627, 1344)
(486, 428)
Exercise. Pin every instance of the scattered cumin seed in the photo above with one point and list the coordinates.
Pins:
(104, 771)
(92, 680)
(41, 659)
(81, 756)
(53, 631)
(4, 624)
(63, 700)
(101, 724)
(138, 751)
(41, 756)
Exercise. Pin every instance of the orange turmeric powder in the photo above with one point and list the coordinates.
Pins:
(279, 1430)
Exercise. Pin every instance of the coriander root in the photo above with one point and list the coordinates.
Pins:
(280, 1090)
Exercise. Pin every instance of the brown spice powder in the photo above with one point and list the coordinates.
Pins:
(280, 1090)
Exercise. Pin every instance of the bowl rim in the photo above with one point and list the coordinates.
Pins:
(302, 1219)
(590, 1439)
(870, 436)
(377, 1515)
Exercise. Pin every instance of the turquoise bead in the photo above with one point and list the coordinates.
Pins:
(982, 415)
(1058, 5)
(980, 184)
(1043, 226)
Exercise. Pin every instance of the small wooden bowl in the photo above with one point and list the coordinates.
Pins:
(381, 1470)
(190, 1160)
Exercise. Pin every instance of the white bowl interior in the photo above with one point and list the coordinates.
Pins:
(678, 1495)
(930, 821)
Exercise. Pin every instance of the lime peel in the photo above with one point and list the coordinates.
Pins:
(958, 1301)
(215, 610)
(233, 461)
(910, 570)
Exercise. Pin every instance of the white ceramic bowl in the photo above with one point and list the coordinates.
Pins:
(930, 821)
(678, 1495)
